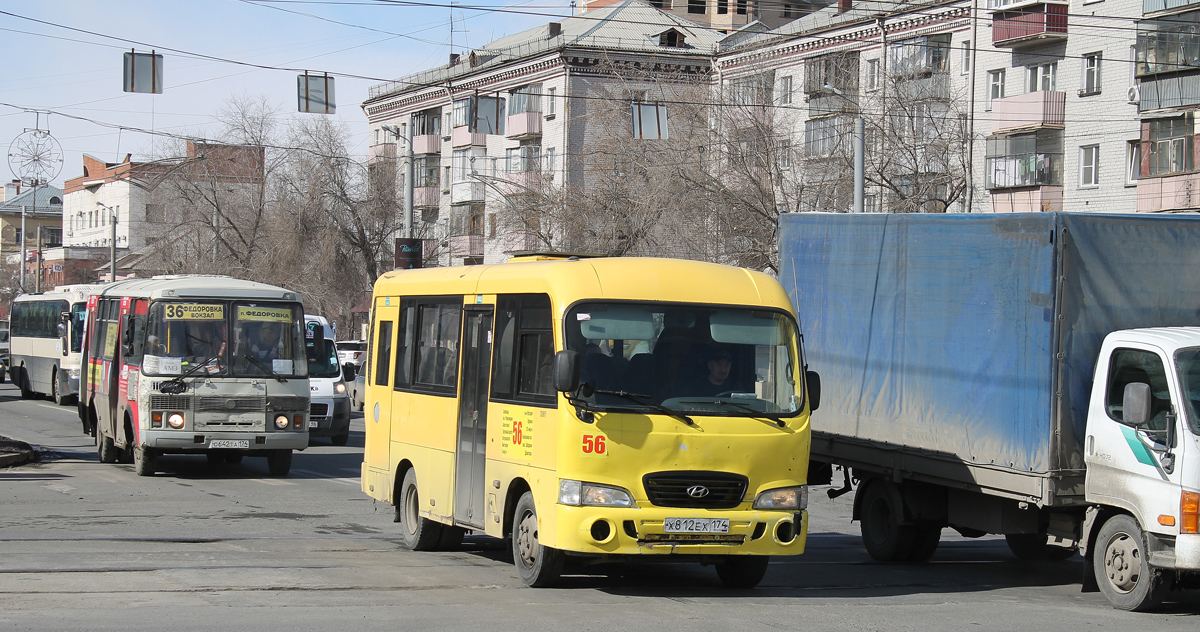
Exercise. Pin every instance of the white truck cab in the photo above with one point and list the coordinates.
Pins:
(1142, 453)
(329, 414)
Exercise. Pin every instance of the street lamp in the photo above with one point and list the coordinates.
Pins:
(112, 243)
(859, 162)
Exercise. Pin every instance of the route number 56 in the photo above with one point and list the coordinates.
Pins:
(594, 444)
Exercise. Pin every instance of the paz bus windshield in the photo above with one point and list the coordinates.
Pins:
(689, 358)
(238, 339)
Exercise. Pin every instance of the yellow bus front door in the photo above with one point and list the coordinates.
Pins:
(378, 418)
(472, 418)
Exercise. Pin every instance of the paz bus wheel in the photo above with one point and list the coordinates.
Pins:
(279, 462)
(1122, 567)
(743, 571)
(419, 534)
(537, 565)
(105, 449)
(144, 461)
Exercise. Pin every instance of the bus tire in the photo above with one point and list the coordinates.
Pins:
(26, 387)
(144, 460)
(105, 449)
(885, 539)
(1123, 568)
(56, 391)
(537, 565)
(340, 439)
(419, 534)
(451, 539)
(743, 571)
(279, 462)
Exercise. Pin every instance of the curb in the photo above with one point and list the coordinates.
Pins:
(14, 453)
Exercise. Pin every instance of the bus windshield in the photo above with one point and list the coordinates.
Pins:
(689, 358)
(217, 338)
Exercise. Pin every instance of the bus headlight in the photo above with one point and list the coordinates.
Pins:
(339, 388)
(281, 422)
(579, 493)
(785, 498)
(175, 420)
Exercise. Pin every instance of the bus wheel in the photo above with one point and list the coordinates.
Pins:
(279, 462)
(451, 539)
(743, 571)
(419, 534)
(56, 391)
(1122, 567)
(537, 565)
(105, 449)
(26, 387)
(144, 460)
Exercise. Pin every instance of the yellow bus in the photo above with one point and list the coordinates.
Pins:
(591, 409)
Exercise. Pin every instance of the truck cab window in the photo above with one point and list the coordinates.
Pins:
(1131, 366)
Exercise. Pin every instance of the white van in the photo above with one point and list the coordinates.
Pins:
(329, 414)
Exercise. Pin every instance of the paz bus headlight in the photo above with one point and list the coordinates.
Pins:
(175, 420)
(784, 498)
(281, 422)
(579, 493)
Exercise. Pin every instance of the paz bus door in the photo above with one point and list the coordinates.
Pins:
(472, 417)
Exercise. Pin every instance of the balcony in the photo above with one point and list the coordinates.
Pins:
(464, 192)
(1029, 23)
(1168, 193)
(381, 151)
(525, 125)
(523, 182)
(466, 246)
(521, 240)
(1044, 199)
(427, 144)
(427, 196)
(1043, 108)
(463, 137)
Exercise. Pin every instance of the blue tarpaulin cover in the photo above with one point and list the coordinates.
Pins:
(939, 334)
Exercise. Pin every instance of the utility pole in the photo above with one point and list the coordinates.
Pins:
(405, 133)
(22, 281)
(37, 280)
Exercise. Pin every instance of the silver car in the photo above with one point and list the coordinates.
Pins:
(352, 352)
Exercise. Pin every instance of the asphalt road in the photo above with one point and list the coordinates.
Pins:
(87, 546)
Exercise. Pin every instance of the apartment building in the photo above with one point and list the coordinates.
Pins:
(517, 118)
(725, 15)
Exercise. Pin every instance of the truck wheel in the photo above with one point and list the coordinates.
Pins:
(537, 565)
(279, 462)
(743, 571)
(1122, 568)
(419, 534)
(925, 543)
(884, 537)
(144, 461)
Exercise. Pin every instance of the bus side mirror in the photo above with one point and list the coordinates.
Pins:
(62, 330)
(566, 371)
(64, 317)
(812, 383)
(1135, 404)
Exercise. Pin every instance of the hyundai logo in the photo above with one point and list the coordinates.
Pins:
(697, 491)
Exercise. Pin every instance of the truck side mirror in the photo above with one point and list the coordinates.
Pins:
(349, 371)
(812, 383)
(1135, 404)
(566, 371)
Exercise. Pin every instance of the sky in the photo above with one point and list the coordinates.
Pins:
(63, 58)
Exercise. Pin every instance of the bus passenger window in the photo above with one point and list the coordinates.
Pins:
(383, 357)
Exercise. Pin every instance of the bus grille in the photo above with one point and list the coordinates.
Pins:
(286, 403)
(171, 402)
(232, 404)
(319, 410)
(670, 489)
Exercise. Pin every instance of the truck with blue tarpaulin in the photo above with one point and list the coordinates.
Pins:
(1032, 375)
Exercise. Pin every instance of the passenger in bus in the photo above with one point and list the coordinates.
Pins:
(267, 344)
(718, 378)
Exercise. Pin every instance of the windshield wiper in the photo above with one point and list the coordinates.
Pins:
(178, 379)
(263, 365)
(756, 414)
(644, 400)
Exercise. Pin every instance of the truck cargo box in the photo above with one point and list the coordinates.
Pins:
(959, 349)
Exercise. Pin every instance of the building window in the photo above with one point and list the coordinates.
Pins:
(741, 7)
(1168, 44)
(551, 163)
(649, 121)
(1043, 77)
(790, 10)
(823, 136)
(838, 71)
(480, 115)
(995, 86)
(153, 213)
(524, 159)
(722, 7)
(1133, 162)
(872, 74)
(1091, 74)
(785, 90)
(920, 56)
(551, 106)
(661, 4)
(525, 99)
(427, 122)
(1089, 166)
(465, 165)
(697, 6)
(966, 56)
(1170, 145)
(1024, 160)
(426, 170)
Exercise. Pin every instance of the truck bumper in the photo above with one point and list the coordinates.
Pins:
(1187, 552)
